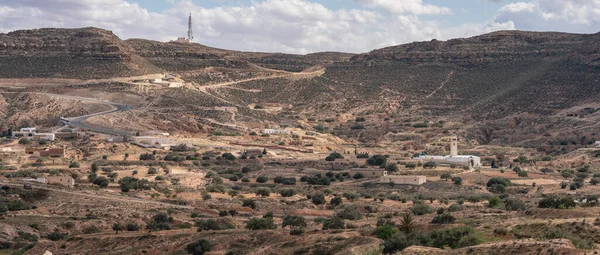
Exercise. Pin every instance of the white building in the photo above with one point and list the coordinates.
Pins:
(454, 158)
(275, 131)
(44, 136)
(153, 142)
(24, 132)
(597, 144)
(459, 160)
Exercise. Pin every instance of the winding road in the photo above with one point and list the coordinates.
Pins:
(79, 121)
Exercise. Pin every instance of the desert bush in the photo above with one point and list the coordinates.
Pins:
(336, 201)
(147, 156)
(455, 208)
(17, 205)
(249, 203)
(294, 221)
(318, 198)
(263, 192)
(556, 202)
(198, 247)
(498, 180)
(210, 224)
(91, 229)
(56, 236)
(497, 188)
(349, 213)
(287, 192)
(377, 160)
(457, 180)
(132, 227)
(333, 223)
(444, 218)
(385, 232)
(422, 209)
(260, 223)
(446, 176)
(494, 202)
(392, 168)
(429, 164)
(514, 204)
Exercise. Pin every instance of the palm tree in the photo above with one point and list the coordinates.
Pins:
(407, 223)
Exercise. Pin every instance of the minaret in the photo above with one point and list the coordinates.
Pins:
(454, 146)
(190, 32)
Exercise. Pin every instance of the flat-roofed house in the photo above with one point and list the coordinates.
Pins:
(403, 179)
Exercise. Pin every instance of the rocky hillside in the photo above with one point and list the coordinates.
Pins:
(68, 53)
(497, 47)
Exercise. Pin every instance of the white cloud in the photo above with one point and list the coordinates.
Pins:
(553, 15)
(292, 26)
(414, 7)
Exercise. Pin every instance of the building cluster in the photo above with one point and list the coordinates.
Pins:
(32, 134)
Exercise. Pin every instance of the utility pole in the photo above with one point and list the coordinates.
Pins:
(190, 31)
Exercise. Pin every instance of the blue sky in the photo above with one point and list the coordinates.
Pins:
(304, 26)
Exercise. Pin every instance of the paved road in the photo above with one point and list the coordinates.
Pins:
(80, 121)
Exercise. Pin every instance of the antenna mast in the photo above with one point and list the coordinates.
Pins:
(190, 32)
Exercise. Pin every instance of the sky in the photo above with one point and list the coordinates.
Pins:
(303, 26)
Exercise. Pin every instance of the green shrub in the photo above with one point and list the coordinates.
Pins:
(349, 213)
(18, 205)
(497, 188)
(260, 223)
(429, 164)
(498, 180)
(132, 227)
(294, 221)
(563, 202)
(457, 180)
(397, 242)
(494, 201)
(287, 192)
(263, 192)
(56, 236)
(198, 247)
(514, 204)
(91, 229)
(333, 223)
(377, 160)
(210, 224)
(385, 232)
(249, 203)
(500, 231)
(422, 209)
(318, 198)
(444, 218)
(455, 208)
(336, 201)
(262, 179)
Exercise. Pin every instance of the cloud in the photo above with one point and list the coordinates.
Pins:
(291, 26)
(581, 16)
(414, 7)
